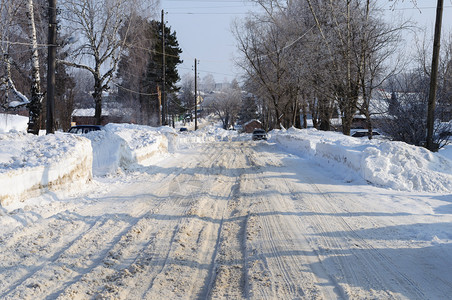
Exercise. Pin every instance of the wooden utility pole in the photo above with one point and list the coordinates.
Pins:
(196, 95)
(51, 62)
(434, 77)
(159, 96)
(164, 110)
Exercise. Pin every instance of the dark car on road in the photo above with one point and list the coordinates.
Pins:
(365, 133)
(259, 134)
(82, 129)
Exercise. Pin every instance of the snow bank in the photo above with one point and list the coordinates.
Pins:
(121, 145)
(209, 134)
(13, 123)
(29, 163)
(389, 164)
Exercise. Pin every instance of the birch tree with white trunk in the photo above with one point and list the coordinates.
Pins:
(35, 105)
(12, 34)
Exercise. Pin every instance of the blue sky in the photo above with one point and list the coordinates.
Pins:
(203, 29)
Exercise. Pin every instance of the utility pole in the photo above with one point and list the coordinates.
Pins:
(434, 76)
(196, 95)
(165, 108)
(51, 63)
(159, 96)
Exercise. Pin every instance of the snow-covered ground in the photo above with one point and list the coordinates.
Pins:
(32, 164)
(389, 201)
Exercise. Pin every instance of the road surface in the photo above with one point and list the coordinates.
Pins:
(226, 220)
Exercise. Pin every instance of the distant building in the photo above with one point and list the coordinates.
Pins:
(249, 126)
(221, 86)
(85, 116)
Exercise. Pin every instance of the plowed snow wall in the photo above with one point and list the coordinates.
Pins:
(72, 167)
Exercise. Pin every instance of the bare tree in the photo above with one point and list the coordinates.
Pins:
(96, 25)
(132, 68)
(187, 92)
(404, 116)
(207, 84)
(265, 62)
(226, 104)
(326, 56)
(9, 12)
(377, 43)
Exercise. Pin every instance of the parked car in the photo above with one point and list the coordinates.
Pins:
(364, 133)
(82, 129)
(259, 134)
(183, 129)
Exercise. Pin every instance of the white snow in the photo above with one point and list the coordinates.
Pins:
(35, 163)
(13, 122)
(29, 164)
(388, 164)
(416, 183)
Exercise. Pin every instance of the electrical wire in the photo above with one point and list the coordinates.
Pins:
(201, 7)
(132, 91)
(418, 8)
(209, 1)
(200, 13)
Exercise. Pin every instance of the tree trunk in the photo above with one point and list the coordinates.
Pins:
(369, 126)
(36, 95)
(226, 122)
(97, 95)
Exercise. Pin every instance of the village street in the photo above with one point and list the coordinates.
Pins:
(228, 220)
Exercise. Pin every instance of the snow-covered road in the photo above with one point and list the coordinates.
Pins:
(231, 220)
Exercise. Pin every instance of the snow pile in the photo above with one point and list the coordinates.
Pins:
(13, 123)
(389, 164)
(405, 167)
(30, 163)
(119, 146)
(209, 134)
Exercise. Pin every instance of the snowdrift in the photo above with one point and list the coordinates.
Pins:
(29, 163)
(119, 146)
(13, 123)
(209, 134)
(394, 165)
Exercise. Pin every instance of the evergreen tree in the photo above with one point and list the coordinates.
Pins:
(152, 81)
(140, 69)
(249, 109)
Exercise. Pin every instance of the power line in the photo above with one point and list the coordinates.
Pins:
(210, 1)
(202, 7)
(417, 8)
(200, 13)
(134, 92)
(207, 71)
(23, 43)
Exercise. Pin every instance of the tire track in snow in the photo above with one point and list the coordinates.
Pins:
(64, 261)
(140, 278)
(175, 274)
(228, 275)
(279, 252)
(371, 274)
(368, 258)
(69, 263)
